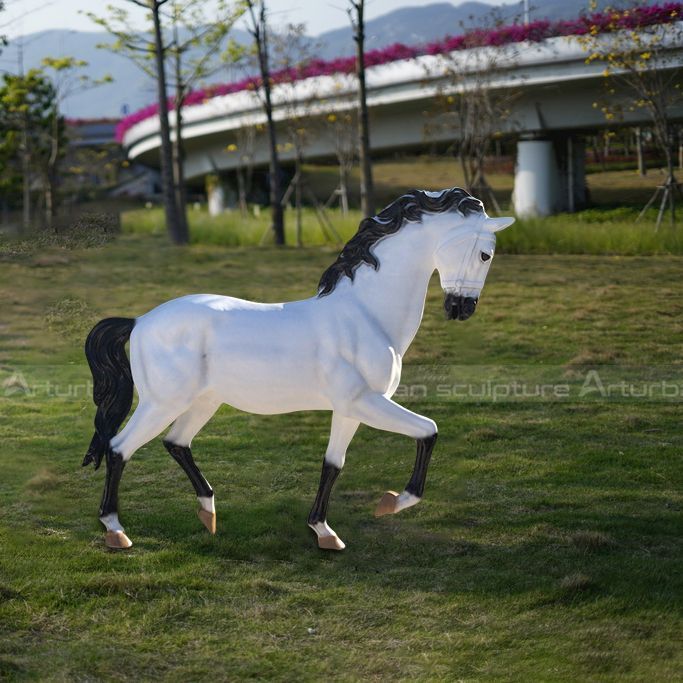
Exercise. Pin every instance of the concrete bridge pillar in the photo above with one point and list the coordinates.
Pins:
(550, 176)
(537, 183)
(220, 195)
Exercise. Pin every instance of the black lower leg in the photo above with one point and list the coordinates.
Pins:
(328, 476)
(183, 456)
(416, 485)
(110, 497)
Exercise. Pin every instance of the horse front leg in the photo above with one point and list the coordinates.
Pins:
(341, 433)
(376, 410)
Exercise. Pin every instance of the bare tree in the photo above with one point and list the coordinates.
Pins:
(244, 148)
(471, 108)
(356, 13)
(342, 125)
(345, 131)
(291, 53)
(259, 32)
(638, 134)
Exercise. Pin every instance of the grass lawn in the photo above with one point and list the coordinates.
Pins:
(608, 227)
(593, 231)
(548, 546)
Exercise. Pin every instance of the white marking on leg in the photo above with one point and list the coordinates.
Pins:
(207, 503)
(406, 500)
(111, 522)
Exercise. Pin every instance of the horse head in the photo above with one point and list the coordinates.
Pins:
(463, 256)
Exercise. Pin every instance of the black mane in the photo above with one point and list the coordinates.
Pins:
(409, 208)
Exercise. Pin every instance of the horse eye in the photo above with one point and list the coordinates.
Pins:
(484, 256)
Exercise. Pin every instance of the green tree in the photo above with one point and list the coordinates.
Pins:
(196, 49)
(67, 78)
(149, 52)
(29, 119)
(10, 178)
(10, 147)
(191, 39)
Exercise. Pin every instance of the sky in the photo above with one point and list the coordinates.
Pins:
(28, 16)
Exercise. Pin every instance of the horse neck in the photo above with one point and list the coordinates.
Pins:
(395, 294)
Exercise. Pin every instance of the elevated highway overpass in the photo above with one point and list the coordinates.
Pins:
(552, 108)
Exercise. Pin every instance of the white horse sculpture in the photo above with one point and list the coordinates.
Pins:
(340, 350)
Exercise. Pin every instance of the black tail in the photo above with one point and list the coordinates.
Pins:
(105, 349)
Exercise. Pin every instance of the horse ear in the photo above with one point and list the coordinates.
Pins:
(496, 224)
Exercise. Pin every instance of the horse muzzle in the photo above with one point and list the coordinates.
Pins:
(459, 307)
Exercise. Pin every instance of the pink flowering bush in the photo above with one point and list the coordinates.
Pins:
(537, 31)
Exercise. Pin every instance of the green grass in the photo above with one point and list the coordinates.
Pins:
(548, 546)
(593, 231)
(609, 227)
(232, 229)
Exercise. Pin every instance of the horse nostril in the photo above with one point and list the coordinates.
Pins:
(451, 305)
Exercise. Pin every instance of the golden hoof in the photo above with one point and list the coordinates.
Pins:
(330, 543)
(208, 519)
(117, 540)
(387, 504)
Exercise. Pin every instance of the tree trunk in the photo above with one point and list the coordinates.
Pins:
(178, 146)
(367, 199)
(179, 170)
(343, 190)
(51, 172)
(276, 210)
(242, 191)
(50, 200)
(173, 225)
(642, 168)
(49, 205)
(670, 177)
(25, 175)
(297, 201)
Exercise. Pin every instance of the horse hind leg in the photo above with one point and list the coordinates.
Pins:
(178, 441)
(147, 421)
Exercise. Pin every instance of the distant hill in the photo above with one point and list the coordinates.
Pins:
(132, 89)
(416, 25)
